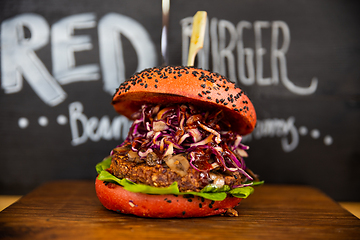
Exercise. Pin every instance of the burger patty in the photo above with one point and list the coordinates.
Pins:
(160, 175)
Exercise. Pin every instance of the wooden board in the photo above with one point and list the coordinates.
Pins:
(71, 210)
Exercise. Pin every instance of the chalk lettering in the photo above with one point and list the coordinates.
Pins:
(111, 27)
(260, 52)
(18, 58)
(279, 54)
(64, 44)
(285, 129)
(93, 128)
(245, 55)
(227, 46)
(226, 51)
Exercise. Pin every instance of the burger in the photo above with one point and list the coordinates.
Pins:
(183, 156)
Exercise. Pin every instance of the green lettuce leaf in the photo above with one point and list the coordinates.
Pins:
(211, 188)
(242, 192)
(219, 196)
(211, 191)
(103, 165)
(258, 183)
(134, 187)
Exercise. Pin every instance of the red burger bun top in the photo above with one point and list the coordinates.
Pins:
(178, 84)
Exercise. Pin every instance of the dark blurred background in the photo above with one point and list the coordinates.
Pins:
(297, 60)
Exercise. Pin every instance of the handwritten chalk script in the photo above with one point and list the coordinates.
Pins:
(18, 57)
(96, 129)
(226, 42)
(285, 129)
(19, 60)
(93, 128)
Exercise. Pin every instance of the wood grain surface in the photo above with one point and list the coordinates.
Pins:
(71, 210)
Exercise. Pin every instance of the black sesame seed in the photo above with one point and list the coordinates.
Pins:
(203, 85)
(208, 97)
(199, 94)
(155, 86)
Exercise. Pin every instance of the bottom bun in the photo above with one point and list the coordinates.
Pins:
(116, 198)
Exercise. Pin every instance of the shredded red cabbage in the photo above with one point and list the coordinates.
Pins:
(182, 128)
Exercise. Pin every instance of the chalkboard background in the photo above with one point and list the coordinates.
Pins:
(300, 67)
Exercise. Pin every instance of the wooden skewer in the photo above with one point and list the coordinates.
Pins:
(197, 36)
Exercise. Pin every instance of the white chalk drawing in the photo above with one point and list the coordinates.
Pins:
(223, 44)
(286, 130)
(43, 121)
(18, 58)
(62, 119)
(19, 61)
(303, 130)
(23, 122)
(328, 140)
(64, 44)
(111, 26)
(315, 133)
(225, 51)
(94, 128)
